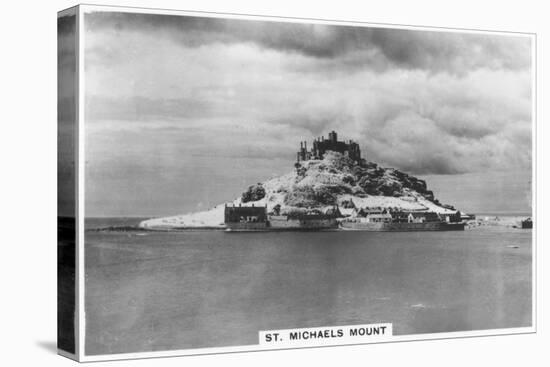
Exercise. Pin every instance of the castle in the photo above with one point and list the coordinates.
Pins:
(321, 145)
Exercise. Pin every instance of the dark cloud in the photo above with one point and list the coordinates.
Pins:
(359, 46)
(66, 114)
(66, 69)
(422, 101)
(66, 41)
(66, 25)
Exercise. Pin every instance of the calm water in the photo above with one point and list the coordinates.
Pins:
(162, 291)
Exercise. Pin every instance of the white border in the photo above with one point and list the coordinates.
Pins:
(534, 203)
(80, 291)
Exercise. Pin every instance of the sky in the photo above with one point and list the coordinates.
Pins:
(183, 113)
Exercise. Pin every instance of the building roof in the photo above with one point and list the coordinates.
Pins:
(347, 211)
(386, 215)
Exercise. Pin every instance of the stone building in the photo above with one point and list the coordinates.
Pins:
(322, 145)
(245, 214)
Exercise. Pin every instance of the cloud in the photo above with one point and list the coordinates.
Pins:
(424, 102)
(435, 51)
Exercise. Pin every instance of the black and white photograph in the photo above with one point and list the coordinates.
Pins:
(237, 183)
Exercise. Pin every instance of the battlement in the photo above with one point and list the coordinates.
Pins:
(322, 145)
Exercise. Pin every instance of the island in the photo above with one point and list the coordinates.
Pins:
(330, 187)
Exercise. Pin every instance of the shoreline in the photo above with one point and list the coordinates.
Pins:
(486, 221)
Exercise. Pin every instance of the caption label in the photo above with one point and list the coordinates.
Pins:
(331, 335)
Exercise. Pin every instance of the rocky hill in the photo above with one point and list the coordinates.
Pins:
(319, 184)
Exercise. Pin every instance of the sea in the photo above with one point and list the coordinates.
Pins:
(158, 291)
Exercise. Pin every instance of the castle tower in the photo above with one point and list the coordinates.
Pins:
(320, 145)
(332, 136)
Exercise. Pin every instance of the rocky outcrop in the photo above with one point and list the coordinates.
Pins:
(321, 182)
(254, 193)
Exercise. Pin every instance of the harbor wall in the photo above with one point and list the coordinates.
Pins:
(283, 222)
(405, 227)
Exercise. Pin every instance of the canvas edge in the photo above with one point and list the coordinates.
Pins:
(75, 10)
